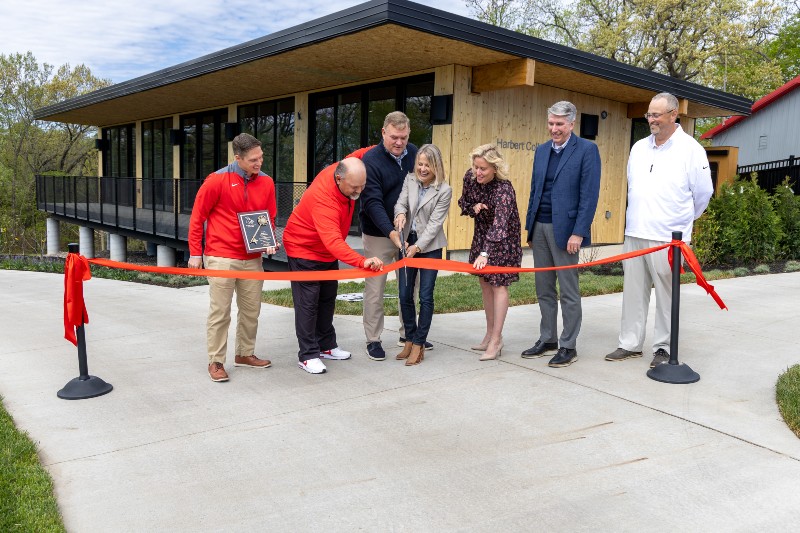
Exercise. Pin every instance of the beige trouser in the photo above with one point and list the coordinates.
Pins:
(642, 273)
(385, 250)
(248, 300)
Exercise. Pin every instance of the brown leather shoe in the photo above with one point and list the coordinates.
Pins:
(406, 351)
(217, 372)
(251, 361)
(416, 356)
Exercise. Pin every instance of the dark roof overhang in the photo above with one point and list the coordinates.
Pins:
(382, 38)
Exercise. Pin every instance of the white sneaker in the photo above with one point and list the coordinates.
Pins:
(335, 353)
(312, 366)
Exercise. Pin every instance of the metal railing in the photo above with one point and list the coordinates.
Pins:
(772, 173)
(150, 207)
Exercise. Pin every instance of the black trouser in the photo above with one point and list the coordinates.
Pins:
(314, 304)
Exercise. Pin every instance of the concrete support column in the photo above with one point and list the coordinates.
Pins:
(165, 256)
(118, 246)
(87, 242)
(53, 236)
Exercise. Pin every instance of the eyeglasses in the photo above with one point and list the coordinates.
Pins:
(656, 116)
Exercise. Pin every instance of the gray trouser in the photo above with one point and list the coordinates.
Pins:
(642, 273)
(385, 250)
(546, 253)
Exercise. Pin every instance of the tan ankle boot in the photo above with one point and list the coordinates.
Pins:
(406, 351)
(416, 356)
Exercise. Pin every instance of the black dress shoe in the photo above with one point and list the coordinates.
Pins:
(539, 349)
(564, 357)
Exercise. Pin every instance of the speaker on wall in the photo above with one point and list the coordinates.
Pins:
(231, 130)
(100, 144)
(589, 125)
(442, 109)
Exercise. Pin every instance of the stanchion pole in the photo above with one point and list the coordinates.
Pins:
(673, 371)
(84, 386)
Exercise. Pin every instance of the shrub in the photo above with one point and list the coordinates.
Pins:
(787, 207)
(741, 272)
(749, 228)
(791, 266)
(705, 236)
(761, 269)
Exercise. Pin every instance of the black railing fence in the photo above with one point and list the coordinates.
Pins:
(772, 173)
(159, 207)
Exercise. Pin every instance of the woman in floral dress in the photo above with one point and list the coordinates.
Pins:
(489, 198)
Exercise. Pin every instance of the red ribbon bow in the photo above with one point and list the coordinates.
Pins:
(76, 271)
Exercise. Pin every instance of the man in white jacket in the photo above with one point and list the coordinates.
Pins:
(669, 186)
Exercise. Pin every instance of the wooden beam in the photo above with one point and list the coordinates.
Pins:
(515, 73)
(638, 109)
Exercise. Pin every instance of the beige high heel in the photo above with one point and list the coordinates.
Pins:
(416, 356)
(405, 353)
(480, 347)
(491, 356)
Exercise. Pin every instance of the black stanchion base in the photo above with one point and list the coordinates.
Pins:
(80, 389)
(667, 373)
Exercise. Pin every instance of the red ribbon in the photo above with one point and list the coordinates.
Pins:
(76, 271)
(694, 266)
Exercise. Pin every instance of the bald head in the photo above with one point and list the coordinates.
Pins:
(351, 176)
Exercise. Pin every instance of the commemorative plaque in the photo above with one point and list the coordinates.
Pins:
(257, 231)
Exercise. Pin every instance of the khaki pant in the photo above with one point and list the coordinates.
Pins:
(385, 250)
(248, 300)
(643, 275)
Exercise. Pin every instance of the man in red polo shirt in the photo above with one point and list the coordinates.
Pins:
(315, 241)
(238, 188)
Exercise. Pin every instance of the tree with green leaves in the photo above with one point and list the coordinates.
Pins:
(785, 48)
(718, 43)
(29, 147)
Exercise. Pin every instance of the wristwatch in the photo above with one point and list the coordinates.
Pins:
(484, 254)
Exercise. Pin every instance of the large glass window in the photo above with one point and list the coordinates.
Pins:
(203, 148)
(273, 124)
(347, 119)
(119, 151)
(157, 186)
(156, 149)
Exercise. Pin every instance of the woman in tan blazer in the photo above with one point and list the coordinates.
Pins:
(420, 212)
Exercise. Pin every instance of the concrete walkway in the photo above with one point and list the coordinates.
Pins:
(450, 445)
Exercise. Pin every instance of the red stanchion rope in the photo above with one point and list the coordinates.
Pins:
(75, 274)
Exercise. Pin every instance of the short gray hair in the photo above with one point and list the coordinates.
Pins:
(398, 119)
(672, 102)
(564, 109)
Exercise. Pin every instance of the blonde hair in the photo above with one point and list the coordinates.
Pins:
(491, 155)
(434, 156)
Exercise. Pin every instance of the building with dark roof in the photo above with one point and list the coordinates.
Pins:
(314, 92)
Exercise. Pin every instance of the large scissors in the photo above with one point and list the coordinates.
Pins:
(403, 251)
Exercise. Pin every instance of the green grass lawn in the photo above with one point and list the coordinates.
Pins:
(787, 394)
(26, 490)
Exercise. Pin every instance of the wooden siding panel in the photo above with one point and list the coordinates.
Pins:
(516, 119)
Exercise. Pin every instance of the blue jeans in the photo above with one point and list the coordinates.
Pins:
(417, 331)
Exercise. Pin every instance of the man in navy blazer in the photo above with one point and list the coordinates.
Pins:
(564, 188)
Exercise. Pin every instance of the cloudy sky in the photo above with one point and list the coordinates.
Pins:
(123, 39)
